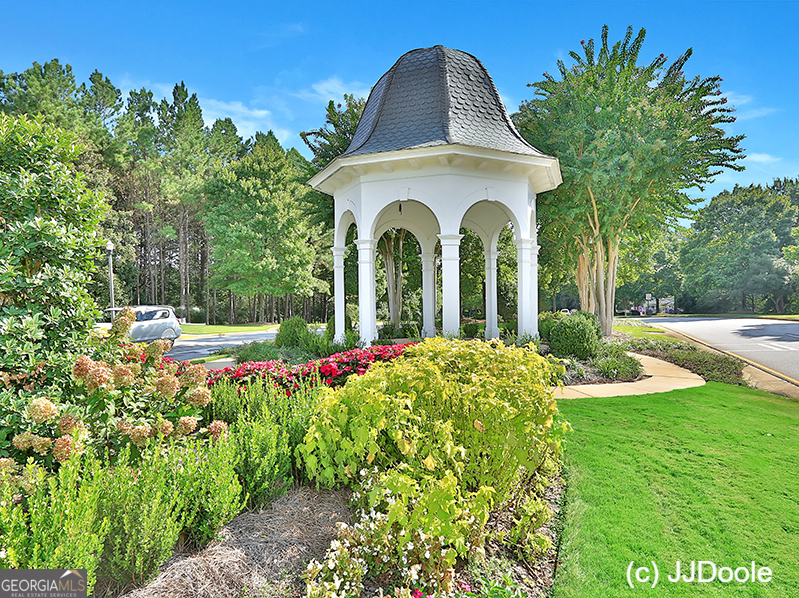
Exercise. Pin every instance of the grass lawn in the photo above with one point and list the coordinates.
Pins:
(705, 473)
(223, 328)
(638, 331)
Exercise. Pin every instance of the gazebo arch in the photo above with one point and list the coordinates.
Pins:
(434, 132)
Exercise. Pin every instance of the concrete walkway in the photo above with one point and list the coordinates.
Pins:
(664, 376)
(220, 364)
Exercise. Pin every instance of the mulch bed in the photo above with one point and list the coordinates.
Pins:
(263, 553)
(260, 553)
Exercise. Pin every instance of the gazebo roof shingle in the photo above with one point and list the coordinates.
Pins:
(436, 96)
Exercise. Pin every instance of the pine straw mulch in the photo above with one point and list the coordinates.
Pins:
(260, 553)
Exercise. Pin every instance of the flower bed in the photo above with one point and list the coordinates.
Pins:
(332, 371)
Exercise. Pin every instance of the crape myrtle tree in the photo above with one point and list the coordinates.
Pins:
(631, 139)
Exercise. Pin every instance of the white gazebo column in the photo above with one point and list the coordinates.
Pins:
(367, 316)
(428, 295)
(338, 292)
(450, 283)
(492, 329)
(534, 290)
(527, 325)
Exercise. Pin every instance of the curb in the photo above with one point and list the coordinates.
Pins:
(754, 364)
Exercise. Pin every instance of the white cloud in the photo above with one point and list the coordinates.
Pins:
(511, 105)
(737, 99)
(247, 120)
(332, 88)
(273, 38)
(754, 113)
(160, 90)
(762, 158)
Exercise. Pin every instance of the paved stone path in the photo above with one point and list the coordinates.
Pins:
(664, 376)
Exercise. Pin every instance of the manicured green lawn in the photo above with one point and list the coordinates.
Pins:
(222, 328)
(638, 331)
(708, 473)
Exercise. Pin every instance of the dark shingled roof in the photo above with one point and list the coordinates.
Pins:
(436, 96)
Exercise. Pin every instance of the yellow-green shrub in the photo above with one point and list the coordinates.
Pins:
(480, 410)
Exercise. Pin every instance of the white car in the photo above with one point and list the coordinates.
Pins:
(152, 322)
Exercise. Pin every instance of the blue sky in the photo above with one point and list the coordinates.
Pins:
(275, 65)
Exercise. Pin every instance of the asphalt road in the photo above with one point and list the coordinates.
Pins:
(772, 343)
(203, 345)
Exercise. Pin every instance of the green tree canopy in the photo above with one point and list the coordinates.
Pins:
(260, 234)
(735, 246)
(327, 143)
(631, 139)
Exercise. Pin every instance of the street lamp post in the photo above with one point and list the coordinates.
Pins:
(110, 247)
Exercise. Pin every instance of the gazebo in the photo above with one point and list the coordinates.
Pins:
(434, 151)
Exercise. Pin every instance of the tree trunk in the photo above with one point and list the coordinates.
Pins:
(391, 248)
(597, 266)
(231, 308)
(186, 265)
(204, 273)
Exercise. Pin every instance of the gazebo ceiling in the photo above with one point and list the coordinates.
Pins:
(432, 97)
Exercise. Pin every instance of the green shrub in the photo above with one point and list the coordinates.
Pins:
(479, 409)
(430, 442)
(612, 362)
(388, 331)
(470, 330)
(315, 345)
(577, 336)
(291, 331)
(60, 524)
(530, 515)
(410, 330)
(264, 464)
(145, 510)
(292, 414)
(330, 329)
(206, 477)
(257, 351)
(587, 315)
(49, 240)
(713, 367)
(547, 321)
